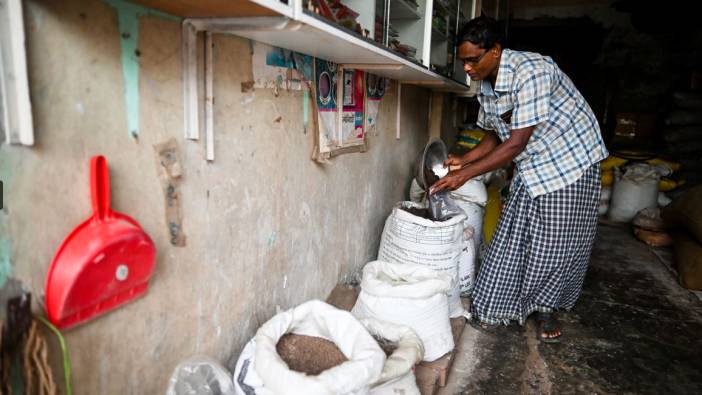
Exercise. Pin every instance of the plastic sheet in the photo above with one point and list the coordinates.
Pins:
(200, 375)
(442, 207)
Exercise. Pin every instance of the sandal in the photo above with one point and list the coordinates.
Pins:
(548, 328)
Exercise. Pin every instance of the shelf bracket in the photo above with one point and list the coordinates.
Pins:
(15, 103)
(397, 114)
(191, 27)
(209, 96)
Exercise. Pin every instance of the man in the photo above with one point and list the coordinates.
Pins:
(535, 117)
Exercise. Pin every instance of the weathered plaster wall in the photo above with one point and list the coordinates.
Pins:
(265, 225)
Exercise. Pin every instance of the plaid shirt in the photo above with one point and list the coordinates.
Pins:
(532, 91)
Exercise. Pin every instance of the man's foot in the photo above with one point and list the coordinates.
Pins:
(482, 326)
(548, 329)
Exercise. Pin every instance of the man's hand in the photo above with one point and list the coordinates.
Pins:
(452, 181)
(453, 161)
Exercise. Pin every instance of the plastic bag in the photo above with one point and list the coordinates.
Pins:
(200, 375)
(442, 207)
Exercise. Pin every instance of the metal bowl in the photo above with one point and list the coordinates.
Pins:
(435, 152)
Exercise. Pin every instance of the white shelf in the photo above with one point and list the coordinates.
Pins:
(219, 8)
(312, 36)
(293, 28)
(400, 9)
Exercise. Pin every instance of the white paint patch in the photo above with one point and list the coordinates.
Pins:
(248, 99)
(271, 239)
(199, 325)
(247, 199)
(37, 15)
(79, 108)
(285, 281)
(368, 200)
(234, 208)
(266, 233)
(276, 111)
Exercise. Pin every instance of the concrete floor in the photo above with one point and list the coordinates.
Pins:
(634, 330)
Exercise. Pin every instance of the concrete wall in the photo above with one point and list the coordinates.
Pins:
(265, 225)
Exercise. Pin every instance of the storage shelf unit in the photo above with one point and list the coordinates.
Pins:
(401, 9)
(437, 35)
(295, 28)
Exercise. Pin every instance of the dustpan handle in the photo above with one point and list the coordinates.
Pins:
(100, 187)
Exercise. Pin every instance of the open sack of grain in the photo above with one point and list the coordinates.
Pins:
(404, 349)
(331, 352)
(410, 295)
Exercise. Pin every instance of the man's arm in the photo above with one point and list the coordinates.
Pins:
(494, 159)
(486, 144)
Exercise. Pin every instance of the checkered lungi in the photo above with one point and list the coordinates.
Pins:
(539, 253)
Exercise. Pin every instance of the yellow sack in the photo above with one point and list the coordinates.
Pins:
(607, 178)
(666, 184)
(611, 162)
(492, 213)
(470, 138)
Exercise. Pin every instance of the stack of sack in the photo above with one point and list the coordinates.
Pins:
(615, 167)
(683, 134)
(635, 188)
(684, 216)
(650, 228)
(316, 348)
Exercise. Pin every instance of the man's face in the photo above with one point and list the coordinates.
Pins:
(478, 63)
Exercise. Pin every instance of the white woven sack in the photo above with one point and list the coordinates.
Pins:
(634, 191)
(472, 197)
(261, 371)
(398, 374)
(410, 295)
(466, 264)
(473, 191)
(408, 238)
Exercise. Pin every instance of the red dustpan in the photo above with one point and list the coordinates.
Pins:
(105, 262)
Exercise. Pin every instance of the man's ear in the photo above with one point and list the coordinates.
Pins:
(497, 49)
